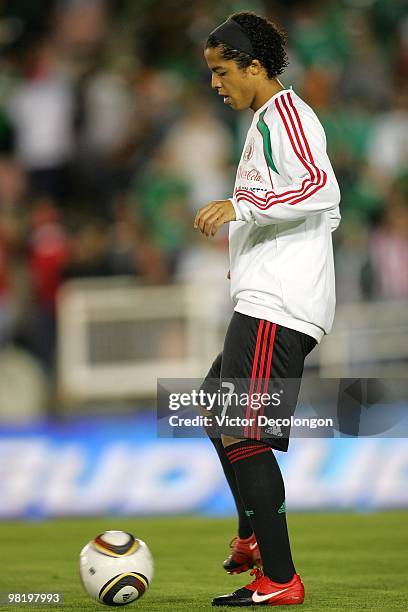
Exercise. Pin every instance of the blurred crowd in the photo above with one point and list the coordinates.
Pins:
(111, 139)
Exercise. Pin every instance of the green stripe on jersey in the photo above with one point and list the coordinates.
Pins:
(266, 137)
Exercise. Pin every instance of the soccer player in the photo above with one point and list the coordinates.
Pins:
(284, 207)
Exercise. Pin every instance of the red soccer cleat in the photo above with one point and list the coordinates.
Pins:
(244, 555)
(263, 591)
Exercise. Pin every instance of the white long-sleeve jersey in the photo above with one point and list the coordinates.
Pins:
(286, 200)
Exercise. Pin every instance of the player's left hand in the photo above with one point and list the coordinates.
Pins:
(210, 218)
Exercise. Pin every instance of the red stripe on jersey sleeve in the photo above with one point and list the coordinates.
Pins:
(301, 148)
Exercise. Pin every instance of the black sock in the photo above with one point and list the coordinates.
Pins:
(244, 526)
(260, 484)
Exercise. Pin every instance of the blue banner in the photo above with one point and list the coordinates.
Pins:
(119, 466)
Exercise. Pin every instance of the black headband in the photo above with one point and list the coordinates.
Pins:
(231, 33)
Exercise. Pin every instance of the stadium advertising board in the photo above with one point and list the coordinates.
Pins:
(93, 467)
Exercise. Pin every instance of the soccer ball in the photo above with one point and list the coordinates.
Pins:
(116, 568)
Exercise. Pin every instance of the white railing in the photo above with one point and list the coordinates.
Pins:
(116, 338)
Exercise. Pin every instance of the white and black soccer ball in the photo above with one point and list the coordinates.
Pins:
(116, 568)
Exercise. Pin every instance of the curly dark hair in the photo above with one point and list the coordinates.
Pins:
(267, 39)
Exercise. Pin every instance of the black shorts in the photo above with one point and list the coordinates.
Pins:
(259, 357)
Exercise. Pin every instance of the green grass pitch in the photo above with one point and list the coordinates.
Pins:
(347, 561)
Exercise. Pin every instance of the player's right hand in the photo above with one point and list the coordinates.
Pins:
(210, 218)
